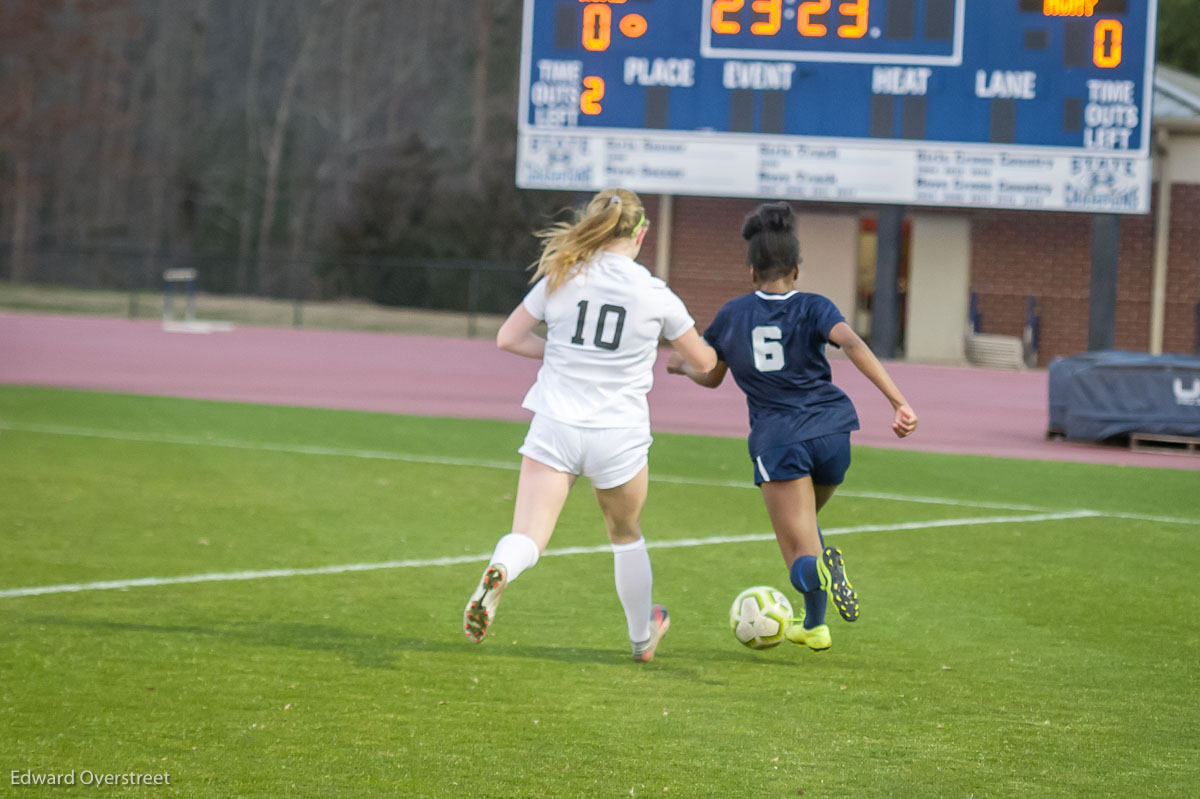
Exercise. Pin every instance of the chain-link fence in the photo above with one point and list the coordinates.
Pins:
(297, 291)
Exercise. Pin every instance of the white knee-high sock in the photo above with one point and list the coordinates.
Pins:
(517, 553)
(635, 583)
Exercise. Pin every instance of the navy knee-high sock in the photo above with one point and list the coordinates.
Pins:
(807, 581)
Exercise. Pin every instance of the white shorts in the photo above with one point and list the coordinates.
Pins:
(608, 456)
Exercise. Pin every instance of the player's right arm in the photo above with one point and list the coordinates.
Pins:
(516, 334)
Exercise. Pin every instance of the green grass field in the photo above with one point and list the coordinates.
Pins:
(1027, 629)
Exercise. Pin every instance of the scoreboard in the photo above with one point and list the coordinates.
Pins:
(1029, 104)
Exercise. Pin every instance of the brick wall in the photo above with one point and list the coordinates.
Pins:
(1183, 271)
(708, 254)
(1014, 255)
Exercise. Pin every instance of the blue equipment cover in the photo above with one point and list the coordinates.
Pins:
(1098, 395)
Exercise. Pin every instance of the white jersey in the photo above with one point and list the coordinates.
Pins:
(603, 328)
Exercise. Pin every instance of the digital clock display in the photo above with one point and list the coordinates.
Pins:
(865, 31)
(889, 82)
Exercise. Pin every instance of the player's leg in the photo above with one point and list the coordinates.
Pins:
(622, 506)
(784, 474)
(617, 466)
(552, 457)
(541, 492)
(831, 457)
(792, 508)
(822, 494)
(550, 461)
(622, 509)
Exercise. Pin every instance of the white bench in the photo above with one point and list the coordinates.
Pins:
(994, 351)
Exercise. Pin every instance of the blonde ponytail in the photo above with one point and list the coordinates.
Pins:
(566, 247)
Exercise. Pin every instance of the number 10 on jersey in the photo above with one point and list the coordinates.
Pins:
(613, 339)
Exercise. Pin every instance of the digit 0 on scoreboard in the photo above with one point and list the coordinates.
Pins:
(1106, 44)
(1107, 34)
(598, 25)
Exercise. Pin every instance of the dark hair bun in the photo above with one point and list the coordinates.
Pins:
(769, 217)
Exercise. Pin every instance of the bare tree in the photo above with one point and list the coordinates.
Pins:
(274, 152)
(480, 94)
(241, 126)
(246, 217)
(29, 52)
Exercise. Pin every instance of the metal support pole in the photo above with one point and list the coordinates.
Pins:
(189, 307)
(662, 236)
(294, 290)
(885, 310)
(472, 301)
(1162, 243)
(1102, 302)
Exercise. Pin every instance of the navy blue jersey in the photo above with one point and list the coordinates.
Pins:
(774, 345)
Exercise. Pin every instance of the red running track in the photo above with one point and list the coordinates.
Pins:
(968, 411)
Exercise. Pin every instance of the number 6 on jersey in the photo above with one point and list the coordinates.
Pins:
(768, 348)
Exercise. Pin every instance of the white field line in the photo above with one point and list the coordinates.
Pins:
(700, 481)
(512, 466)
(263, 574)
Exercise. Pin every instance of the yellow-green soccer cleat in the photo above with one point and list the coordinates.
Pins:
(834, 582)
(481, 609)
(817, 639)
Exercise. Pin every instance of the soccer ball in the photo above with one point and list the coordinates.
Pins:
(760, 617)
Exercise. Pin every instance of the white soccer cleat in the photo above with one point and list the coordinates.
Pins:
(660, 622)
(481, 609)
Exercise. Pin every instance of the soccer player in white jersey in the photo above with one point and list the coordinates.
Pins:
(604, 315)
(773, 341)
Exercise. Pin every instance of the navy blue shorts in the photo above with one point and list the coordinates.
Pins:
(825, 458)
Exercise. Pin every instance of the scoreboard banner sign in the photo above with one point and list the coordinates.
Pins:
(1027, 104)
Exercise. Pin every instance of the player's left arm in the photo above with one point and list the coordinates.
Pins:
(516, 334)
(904, 421)
(694, 351)
(691, 354)
(710, 379)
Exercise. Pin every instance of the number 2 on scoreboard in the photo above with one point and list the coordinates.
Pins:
(592, 94)
(720, 8)
(804, 23)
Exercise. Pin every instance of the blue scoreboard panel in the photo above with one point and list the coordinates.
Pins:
(1035, 104)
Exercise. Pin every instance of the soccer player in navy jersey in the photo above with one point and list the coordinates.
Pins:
(773, 341)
